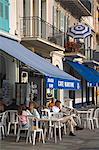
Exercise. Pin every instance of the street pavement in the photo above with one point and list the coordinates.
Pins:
(84, 140)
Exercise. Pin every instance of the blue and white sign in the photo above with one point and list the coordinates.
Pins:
(90, 84)
(56, 83)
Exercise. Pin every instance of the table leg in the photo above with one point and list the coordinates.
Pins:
(55, 132)
(59, 126)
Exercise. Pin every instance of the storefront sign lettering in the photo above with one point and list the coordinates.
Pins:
(61, 83)
(51, 85)
(50, 80)
(69, 84)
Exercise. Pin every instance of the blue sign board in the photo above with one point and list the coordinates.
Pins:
(56, 83)
(90, 84)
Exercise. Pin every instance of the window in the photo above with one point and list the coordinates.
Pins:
(62, 21)
(1, 9)
(4, 15)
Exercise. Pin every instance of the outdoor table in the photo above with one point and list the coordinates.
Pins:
(55, 122)
(82, 113)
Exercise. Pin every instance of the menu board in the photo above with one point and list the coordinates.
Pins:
(25, 93)
(7, 92)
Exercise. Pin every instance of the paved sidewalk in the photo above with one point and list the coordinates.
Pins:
(84, 140)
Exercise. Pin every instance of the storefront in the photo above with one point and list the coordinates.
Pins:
(44, 74)
(89, 79)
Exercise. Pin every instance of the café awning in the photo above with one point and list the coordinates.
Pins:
(55, 78)
(89, 74)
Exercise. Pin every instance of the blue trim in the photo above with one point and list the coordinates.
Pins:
(58, 83)
(90, 75)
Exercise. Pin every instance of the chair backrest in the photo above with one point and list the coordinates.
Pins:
(31, 125)
(90, 113)
(3, 117)
(12, 116)
(56, 115)
(96, 113)
(46, 113)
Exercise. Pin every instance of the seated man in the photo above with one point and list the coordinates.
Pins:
(66, 119)
(73, 112)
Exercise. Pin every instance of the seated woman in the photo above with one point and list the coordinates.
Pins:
(23, 116)
(32, 110)
(51, 103)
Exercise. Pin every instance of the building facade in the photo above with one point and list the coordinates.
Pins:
(41, 26)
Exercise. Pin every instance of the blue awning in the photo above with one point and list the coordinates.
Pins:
(89, 74)
(55, 78)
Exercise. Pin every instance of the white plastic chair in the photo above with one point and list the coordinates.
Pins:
(88, 121)
(96, 117)
(45, 113)
(58, 125)
(12, 120)
(33, 130)
(3, 125)
(21, 128)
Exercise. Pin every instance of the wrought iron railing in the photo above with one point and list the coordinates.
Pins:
(36, 27)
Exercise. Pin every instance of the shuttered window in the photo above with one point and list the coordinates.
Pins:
(1, 9)
(4, 15)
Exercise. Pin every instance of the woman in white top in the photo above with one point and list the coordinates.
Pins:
(32, 110)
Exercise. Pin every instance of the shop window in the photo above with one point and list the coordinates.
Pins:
(55, 94)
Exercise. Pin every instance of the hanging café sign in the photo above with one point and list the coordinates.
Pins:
(56, 83)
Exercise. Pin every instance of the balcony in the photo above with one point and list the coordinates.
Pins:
(38, 33)
(74, 50)
(78, 8)
(77, 50)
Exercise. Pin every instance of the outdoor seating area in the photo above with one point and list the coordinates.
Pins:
(49, 127)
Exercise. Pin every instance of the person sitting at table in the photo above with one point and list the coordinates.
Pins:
(32, 111)
(23, 116)
(73, 112)
(51, 103)
(66, 119)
